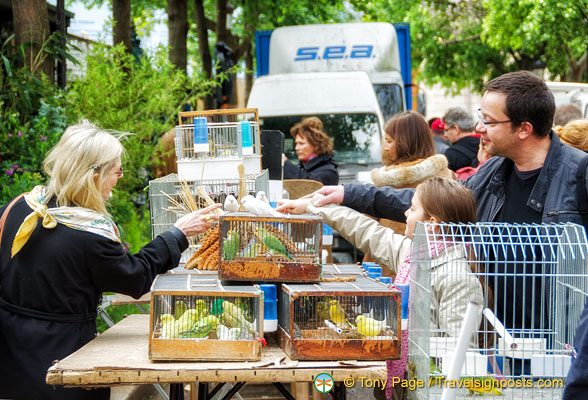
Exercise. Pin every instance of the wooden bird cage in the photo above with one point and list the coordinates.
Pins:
(358, 320)
(197, 317)
(277, 249)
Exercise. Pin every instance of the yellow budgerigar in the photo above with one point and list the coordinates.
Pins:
(166, 318)
(336, 313)
(180, 308)
(368, 326)
(188, 319)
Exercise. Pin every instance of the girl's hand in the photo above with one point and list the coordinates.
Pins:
(332, 194)
(297, 206)
(198, 221)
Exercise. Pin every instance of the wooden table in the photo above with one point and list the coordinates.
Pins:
(120, 356)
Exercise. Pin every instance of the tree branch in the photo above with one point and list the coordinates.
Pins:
(455, 41)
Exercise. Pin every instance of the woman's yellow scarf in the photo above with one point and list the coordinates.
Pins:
(80, 218)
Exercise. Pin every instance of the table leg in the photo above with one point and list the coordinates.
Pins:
(234, 390)
(176, 391)
(302, 391)
(284, 391)
(339, 392)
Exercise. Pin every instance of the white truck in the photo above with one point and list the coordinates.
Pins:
(348, 75)
(570, 93)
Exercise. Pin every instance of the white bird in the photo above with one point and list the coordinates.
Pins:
(259, 207)
(261, 196)
(231, 204)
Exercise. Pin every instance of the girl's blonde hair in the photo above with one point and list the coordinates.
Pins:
(447, 200)
(574, 133)
(78, 165)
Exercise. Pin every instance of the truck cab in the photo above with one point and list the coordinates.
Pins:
(345, 102)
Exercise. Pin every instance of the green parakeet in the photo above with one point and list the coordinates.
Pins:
(234, 317)
(202, 327)
(180, 308)
(231, 245)
(272, 243)
(252, 250)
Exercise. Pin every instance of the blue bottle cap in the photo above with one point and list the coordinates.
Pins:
(374, 274)
(385, 279)
(269, 291)
(366, 265)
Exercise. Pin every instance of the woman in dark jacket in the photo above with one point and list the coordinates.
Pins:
(53, 271)
(314, 149)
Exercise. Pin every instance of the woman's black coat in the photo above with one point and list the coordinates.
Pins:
(49, 293)
(321, 168)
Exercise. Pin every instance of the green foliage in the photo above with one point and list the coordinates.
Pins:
(32, 117)
(144, 99)
(466, 43)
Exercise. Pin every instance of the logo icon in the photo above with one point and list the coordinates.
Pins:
(324, 383)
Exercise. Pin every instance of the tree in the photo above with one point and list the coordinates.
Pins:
(204, 50)
(466, 43)
(177, 26)
(31, 29)
(121, 17)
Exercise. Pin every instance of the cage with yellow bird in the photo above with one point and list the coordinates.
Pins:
(279, 249)
(198, 317)
(358, 320)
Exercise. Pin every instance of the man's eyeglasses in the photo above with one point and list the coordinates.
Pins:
(486, 123)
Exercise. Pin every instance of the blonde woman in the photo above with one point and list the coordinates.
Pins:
(59, 251)
(574, 133)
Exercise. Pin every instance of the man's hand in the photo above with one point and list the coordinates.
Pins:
(332, 194)
(198, 221)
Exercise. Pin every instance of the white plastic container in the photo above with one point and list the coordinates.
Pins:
(525, 348)
(475, 364)
(550, 365)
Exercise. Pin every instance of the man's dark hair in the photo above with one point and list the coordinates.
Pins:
(527, 100)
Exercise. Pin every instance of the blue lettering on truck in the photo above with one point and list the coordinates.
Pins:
(334, 52)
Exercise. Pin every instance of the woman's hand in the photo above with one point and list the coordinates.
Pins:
(198, 221)
(331, 194)
(297, 206)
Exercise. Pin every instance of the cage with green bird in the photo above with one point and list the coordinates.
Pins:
(279, 249)
(198, 317)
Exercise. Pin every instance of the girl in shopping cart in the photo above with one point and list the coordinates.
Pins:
(453, 285)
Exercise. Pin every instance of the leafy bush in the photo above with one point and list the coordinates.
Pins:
(142, 98)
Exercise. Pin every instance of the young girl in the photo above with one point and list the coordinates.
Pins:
(453, 285)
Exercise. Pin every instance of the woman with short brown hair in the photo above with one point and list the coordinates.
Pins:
(315, 153)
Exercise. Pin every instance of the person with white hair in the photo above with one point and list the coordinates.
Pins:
(60, 250)
(459, 127)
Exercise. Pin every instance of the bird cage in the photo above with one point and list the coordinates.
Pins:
(357, 320)
(164, 213)
(200, 318)
(534, 280)
(210, 144)
(277, 249)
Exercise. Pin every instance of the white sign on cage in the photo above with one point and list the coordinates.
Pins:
(535, 285)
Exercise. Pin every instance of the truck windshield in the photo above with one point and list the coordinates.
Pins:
(390, 99)
(356, 137)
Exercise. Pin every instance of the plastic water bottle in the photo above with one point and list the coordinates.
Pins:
(246, 138)
(327, 235)
(404, 293)
(201, 135)
(270, 308)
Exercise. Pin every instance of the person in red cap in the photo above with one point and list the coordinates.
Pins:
(438, 132)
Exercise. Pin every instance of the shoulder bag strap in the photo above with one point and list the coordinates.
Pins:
(5, 214)
(581, 194)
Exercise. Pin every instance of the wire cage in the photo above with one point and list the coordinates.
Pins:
(164, 214)
(210, 144)
(534, 280)
(357, 320)
(278, 249)
(200, 318)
